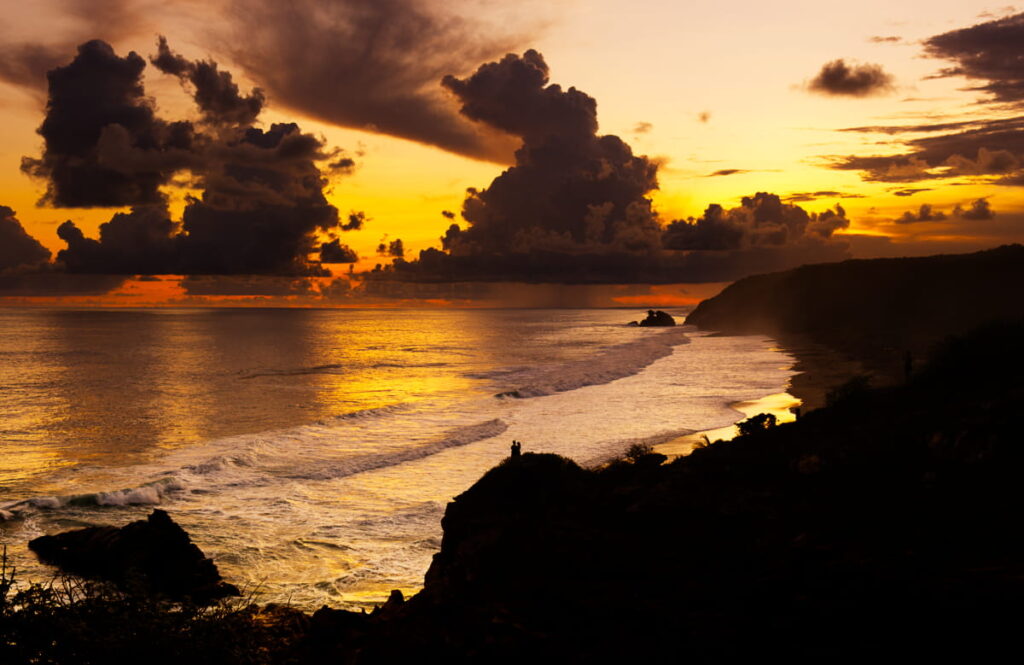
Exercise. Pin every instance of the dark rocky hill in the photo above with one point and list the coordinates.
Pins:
(897, 304)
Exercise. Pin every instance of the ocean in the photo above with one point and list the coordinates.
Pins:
(311, 452)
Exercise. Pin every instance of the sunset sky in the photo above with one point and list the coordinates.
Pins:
(895, 126)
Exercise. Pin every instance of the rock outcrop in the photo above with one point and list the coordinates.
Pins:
(154, 555)
(655, 318)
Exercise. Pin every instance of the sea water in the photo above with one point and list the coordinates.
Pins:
(311, 453)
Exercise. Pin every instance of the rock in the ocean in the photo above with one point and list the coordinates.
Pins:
(657, 318)
(154, 555)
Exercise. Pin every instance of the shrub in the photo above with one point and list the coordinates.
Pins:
(71, 620)
(637, 451)
(755, 424)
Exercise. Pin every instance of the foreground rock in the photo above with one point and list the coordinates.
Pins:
(154, 555)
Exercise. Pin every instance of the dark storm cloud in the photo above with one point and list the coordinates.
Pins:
(762, 220)
(840, 79)
(335, 252)
(104, 145)
(575, 207)
(215, 92)
(18, 248)
(49, 282)
(613, 267)
(991, 52)
(924, 214)
(978, 210)
(262, 208)
(570, 188)
(138, 242)
(368, 64)
(260, 212)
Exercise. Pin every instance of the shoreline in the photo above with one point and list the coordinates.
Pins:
(778, 404)
(818, 369)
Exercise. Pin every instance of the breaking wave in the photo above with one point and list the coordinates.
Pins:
(614, 363)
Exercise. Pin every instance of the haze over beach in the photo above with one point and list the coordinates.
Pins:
(342, 303)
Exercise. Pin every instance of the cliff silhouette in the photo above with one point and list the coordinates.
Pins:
(902, 303)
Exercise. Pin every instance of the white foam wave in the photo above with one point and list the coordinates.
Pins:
(460, 436)
(152, 493)
(616, 362)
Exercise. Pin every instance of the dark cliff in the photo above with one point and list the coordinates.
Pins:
(902, 304)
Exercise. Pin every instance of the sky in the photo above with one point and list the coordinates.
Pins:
(479, 152)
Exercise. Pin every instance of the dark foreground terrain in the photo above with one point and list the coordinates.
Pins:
(885, 525)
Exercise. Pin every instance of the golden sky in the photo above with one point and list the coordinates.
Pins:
(720, 95)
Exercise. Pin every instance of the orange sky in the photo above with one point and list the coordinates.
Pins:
(702, 86)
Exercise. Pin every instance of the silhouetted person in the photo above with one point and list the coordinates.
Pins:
(516, 449)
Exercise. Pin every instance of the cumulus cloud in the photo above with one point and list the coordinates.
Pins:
(17, 248)
(394, 249)
(335, 252)
(138, 242)
(977, 210)
(761, 220)
(575, 207)
(840, 79)
(369, 64)
(924, 214)
(570, 188)
(215, 92)
(262, 208)
(103, 144)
